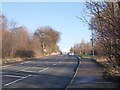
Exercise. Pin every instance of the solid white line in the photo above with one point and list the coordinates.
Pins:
(17, 80)
(73, 76)
(13, 76)
(43, 69)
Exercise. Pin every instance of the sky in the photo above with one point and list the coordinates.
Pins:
(61, 16)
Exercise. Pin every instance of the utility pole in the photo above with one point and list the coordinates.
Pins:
(93, 43)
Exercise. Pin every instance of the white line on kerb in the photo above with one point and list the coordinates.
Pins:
(73, 76)
(17, 80)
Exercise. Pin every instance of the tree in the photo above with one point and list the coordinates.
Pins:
(82, 48)
(105, 22)
(48, 38)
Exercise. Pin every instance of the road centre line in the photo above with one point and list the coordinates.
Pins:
(44, 69)
(27, 61)
(62, 60)
(1, 72)
(24, 69)
(6, 66)
(65, 58)
(17, 80)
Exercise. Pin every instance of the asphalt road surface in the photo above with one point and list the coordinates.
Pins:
(48, 72)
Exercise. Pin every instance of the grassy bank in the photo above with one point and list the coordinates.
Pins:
(8, 61)
(85, 56)
(111, 72)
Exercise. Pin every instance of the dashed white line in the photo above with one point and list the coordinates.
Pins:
(17, 80)
(43, 69)
(62, 60)
(27, 61)
(54, 64)
(6, 66)
(25, 69)
(1, 72)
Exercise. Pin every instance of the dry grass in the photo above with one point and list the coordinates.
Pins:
(111, 72)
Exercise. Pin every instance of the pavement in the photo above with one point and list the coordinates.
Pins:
(48, 72)
(89, 75)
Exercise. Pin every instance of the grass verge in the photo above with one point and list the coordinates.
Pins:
(111, 72)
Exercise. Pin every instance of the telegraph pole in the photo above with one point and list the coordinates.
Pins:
(93, 43)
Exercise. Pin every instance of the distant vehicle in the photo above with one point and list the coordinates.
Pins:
(71, 53)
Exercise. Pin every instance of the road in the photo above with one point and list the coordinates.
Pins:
(48, 72)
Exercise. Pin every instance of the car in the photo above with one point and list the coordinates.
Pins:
(71, 53)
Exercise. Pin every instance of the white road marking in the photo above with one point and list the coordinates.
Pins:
(22, 69)
(27, 61)
(29, 71)
(13, 76)
(6, 66)
(1, 72)
(60, 62)
(63, 59)
(17, 80)
(54, 64)
(25, 69)
(74, 75)
(43, 69)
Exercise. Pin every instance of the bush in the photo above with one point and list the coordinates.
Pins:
(25, 53)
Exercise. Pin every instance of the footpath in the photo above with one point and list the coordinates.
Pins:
(89, 75)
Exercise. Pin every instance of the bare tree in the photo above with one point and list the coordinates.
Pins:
(48, 38)
(105, 22)
(82, 48)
